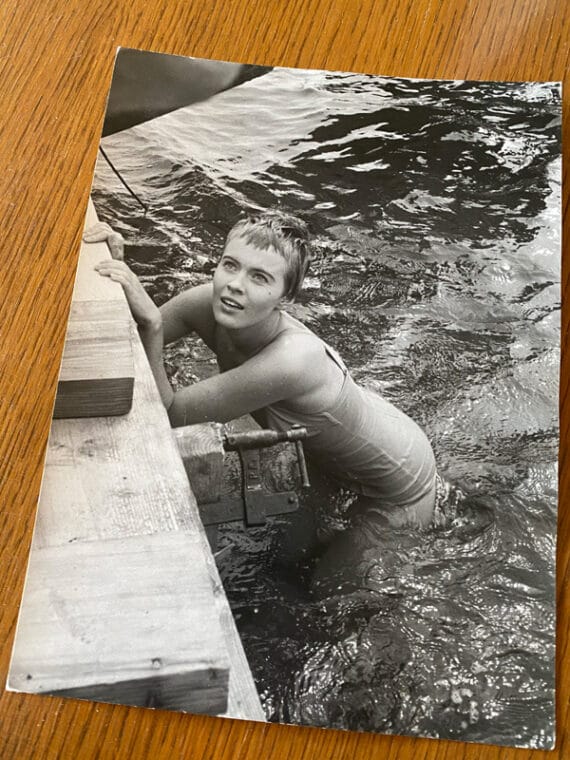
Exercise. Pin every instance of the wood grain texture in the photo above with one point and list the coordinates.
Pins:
(106, 478)
(96, 377)
(55, 66)
(128, 620)
(202, 452)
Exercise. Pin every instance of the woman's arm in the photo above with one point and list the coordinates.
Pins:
(147, 316)
(145, 313)
(275, 374)
(188, 312)
(278, 372)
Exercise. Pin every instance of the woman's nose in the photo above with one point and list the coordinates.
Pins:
(236, 283)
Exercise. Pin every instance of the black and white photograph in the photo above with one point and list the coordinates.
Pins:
(303, 462)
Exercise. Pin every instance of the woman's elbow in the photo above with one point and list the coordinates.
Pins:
(184, 412)
(176, 414)
(180, 414)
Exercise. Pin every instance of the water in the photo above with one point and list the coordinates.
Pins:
(435, 212)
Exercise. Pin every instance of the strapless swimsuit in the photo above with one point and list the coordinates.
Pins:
(363, 441)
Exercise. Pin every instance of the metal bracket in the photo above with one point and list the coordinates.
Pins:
(253, 496)
(256, 504)
(231, 509)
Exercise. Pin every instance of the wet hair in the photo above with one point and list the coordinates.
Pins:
(287, 235)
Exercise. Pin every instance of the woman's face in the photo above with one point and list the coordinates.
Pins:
(248, 284)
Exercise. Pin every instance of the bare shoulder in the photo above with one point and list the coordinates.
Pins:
(300, 346)
(300, 357)
(197, 297)
(188, 312)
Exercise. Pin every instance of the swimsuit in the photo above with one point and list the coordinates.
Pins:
(363, 441)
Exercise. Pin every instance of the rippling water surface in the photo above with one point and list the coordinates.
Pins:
(435, 213)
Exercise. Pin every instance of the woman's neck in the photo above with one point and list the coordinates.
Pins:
(252, 339)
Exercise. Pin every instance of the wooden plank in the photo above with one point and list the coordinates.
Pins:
(110, 478)
(94, 331)
(90, 286)
(116, 621)
(212, 472)
(88, 386)
(97, 372)
(202, 452)
(243, 699)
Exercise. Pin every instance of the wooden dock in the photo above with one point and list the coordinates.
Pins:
(123, 601)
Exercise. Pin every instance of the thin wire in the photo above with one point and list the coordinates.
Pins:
(132, 192)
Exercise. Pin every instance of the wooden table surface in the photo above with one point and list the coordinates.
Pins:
(56, 59)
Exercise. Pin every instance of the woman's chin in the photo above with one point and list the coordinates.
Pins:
(228, 316)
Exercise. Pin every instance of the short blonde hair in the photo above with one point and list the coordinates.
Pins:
(284, 233)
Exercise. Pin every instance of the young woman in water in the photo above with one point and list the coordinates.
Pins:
(278, 370)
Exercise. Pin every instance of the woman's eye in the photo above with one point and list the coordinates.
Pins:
(258, 277)
(229, 265)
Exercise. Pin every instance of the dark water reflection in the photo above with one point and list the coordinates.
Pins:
(435, 212)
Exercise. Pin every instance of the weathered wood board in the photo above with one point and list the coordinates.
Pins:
(114, 479)
(110, 477)
(202, 452)
(123, 620)
(97, 373)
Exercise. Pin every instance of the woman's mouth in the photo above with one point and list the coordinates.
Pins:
(231, 304)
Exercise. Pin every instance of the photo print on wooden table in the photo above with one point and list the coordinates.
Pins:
(331, 499)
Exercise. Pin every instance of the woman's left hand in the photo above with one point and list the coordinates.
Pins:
(145, 313)
(101, 231)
